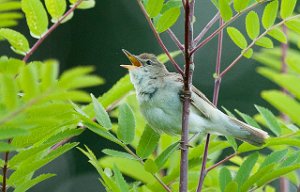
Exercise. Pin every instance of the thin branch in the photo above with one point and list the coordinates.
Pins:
(221, 162)
(206, 28)
(187, 78)
(159, 40)
(216, 32)
(175, 40)
(234, 62)
(215, 102)
(5, 169)
(51, 29)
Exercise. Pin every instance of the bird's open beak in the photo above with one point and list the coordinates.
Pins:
(134, 61)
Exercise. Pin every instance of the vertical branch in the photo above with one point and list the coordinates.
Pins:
(283, 182)
(215, 102)
(5, 169)
(187, 78)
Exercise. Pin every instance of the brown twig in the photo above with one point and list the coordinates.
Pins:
(221, 162)
(51, 29)
(159, 40)
(5, 169)
(175, 40)
(217, 85)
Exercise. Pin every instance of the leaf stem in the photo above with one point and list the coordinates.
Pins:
(221, 162)
(210, 37)
(5, 168)
(234, 62)
(187, 80)
(51, 29)
(217, 85)
(159, 40)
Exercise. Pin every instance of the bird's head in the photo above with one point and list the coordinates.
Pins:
(144, 64)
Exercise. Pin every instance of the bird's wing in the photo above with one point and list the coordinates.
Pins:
(202, 96)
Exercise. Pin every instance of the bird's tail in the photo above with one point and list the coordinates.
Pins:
(255, 136)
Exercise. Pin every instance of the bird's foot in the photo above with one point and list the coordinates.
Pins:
(183, 94)
(184, 146)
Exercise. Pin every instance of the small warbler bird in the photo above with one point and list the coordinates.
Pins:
(159, 95)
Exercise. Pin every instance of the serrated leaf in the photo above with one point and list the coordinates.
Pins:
(225, 10)
(9, 91)
(148, 142)
(29, 184)
(237, 37)
(271, 120)
(18, 41)
(86, 4)
(115, 153)
(153, 7)
(101, 115)
(248, 54)
(167, 19)
(287, 8)
(274, 157)
(126, 124)
(150, 166)
(264, 42)
(269, 14)
(164, 156)
(252, 25)
(225, 178)
(36, 17)
(278, 35)
(245, 169)
(56, 8)
(293, 25)
(123, 186)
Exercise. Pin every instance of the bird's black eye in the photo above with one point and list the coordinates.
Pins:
(149, 62)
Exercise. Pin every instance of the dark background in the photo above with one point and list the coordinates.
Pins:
(96, 37)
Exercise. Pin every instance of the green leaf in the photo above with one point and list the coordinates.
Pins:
(274, 157)
(245, 169)
(86, 4)
(293, 25)
(17, 41)
(269, 14)
(231, 140)
(271, 120)
(240, 5)
(278, 35)
(264, 42)
(49, 74)
(101, 131)
(123, 186)
(225, 10)
(153, 7)
(248, 54)
(225, 178)
(171, 4)
(167, 19)
(29, 81)
(151, 166)
(126, 124)
(115, 153)
(232, 186)
(148, 142)
(252, 25)
(29, 184)
(101, 115)
(7, 133)
(287, 8)
(249, 120)
(237, 37)
(283, 103)
(36, 17)
(5, 147)
(9, 91)
(163, 58)
(164, 156)
(56, 8)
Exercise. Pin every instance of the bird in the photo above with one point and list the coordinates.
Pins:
(159, 94)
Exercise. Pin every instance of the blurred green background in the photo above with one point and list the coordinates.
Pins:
(96, 37)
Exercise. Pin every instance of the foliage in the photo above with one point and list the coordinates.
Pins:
(36, 110)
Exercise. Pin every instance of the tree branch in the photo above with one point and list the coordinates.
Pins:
(159, 40)
(217, 85)
(51, 29)
(176, 40)
(5, 168)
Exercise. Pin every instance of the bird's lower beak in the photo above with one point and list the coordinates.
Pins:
(134, 61)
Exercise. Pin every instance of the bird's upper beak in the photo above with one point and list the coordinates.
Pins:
(133, 59)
